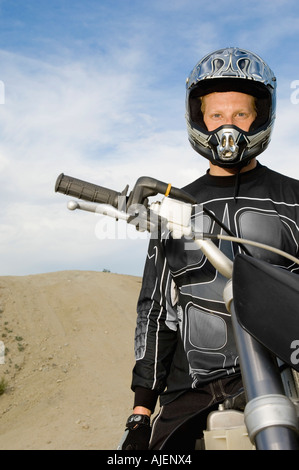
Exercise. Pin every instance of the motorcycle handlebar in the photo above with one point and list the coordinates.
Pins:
(144, 188)
(88, 191)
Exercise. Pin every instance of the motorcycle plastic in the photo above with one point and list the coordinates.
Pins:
(266, 300)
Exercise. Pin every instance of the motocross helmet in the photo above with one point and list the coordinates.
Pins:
(231, 69)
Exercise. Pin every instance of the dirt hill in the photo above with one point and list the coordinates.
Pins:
(68, 340)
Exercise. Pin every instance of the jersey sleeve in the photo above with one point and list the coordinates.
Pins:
(156, 329)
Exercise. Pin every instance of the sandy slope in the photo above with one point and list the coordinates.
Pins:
(69, 355)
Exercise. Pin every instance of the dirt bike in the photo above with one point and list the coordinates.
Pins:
(266, 327)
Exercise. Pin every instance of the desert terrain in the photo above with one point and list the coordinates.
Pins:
(69, 353)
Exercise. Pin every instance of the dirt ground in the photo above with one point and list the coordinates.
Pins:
(68, 339)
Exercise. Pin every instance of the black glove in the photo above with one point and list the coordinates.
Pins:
(137, 433)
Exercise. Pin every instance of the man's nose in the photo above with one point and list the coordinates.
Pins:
(228, 120)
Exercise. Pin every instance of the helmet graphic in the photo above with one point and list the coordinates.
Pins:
(231, 69)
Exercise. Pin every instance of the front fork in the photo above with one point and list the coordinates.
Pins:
(270, 416)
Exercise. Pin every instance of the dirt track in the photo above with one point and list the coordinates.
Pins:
(68, 361)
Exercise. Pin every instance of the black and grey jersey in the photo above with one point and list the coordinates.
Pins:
(184, 335)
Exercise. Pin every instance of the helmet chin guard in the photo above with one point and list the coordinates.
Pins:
(231, 69)
(228, 148)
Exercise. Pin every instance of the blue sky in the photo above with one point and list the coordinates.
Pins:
(96, 89)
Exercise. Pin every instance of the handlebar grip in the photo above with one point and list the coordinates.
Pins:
(86, 191)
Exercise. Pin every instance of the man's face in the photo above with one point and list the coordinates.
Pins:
(228, 108)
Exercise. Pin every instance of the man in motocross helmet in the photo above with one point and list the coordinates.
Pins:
(228, 142)
(184, 345)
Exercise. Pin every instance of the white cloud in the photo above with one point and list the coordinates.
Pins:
(110, 116)
(80, 119)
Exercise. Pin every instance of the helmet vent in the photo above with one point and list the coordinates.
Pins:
(244, 65)
(217, 65)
